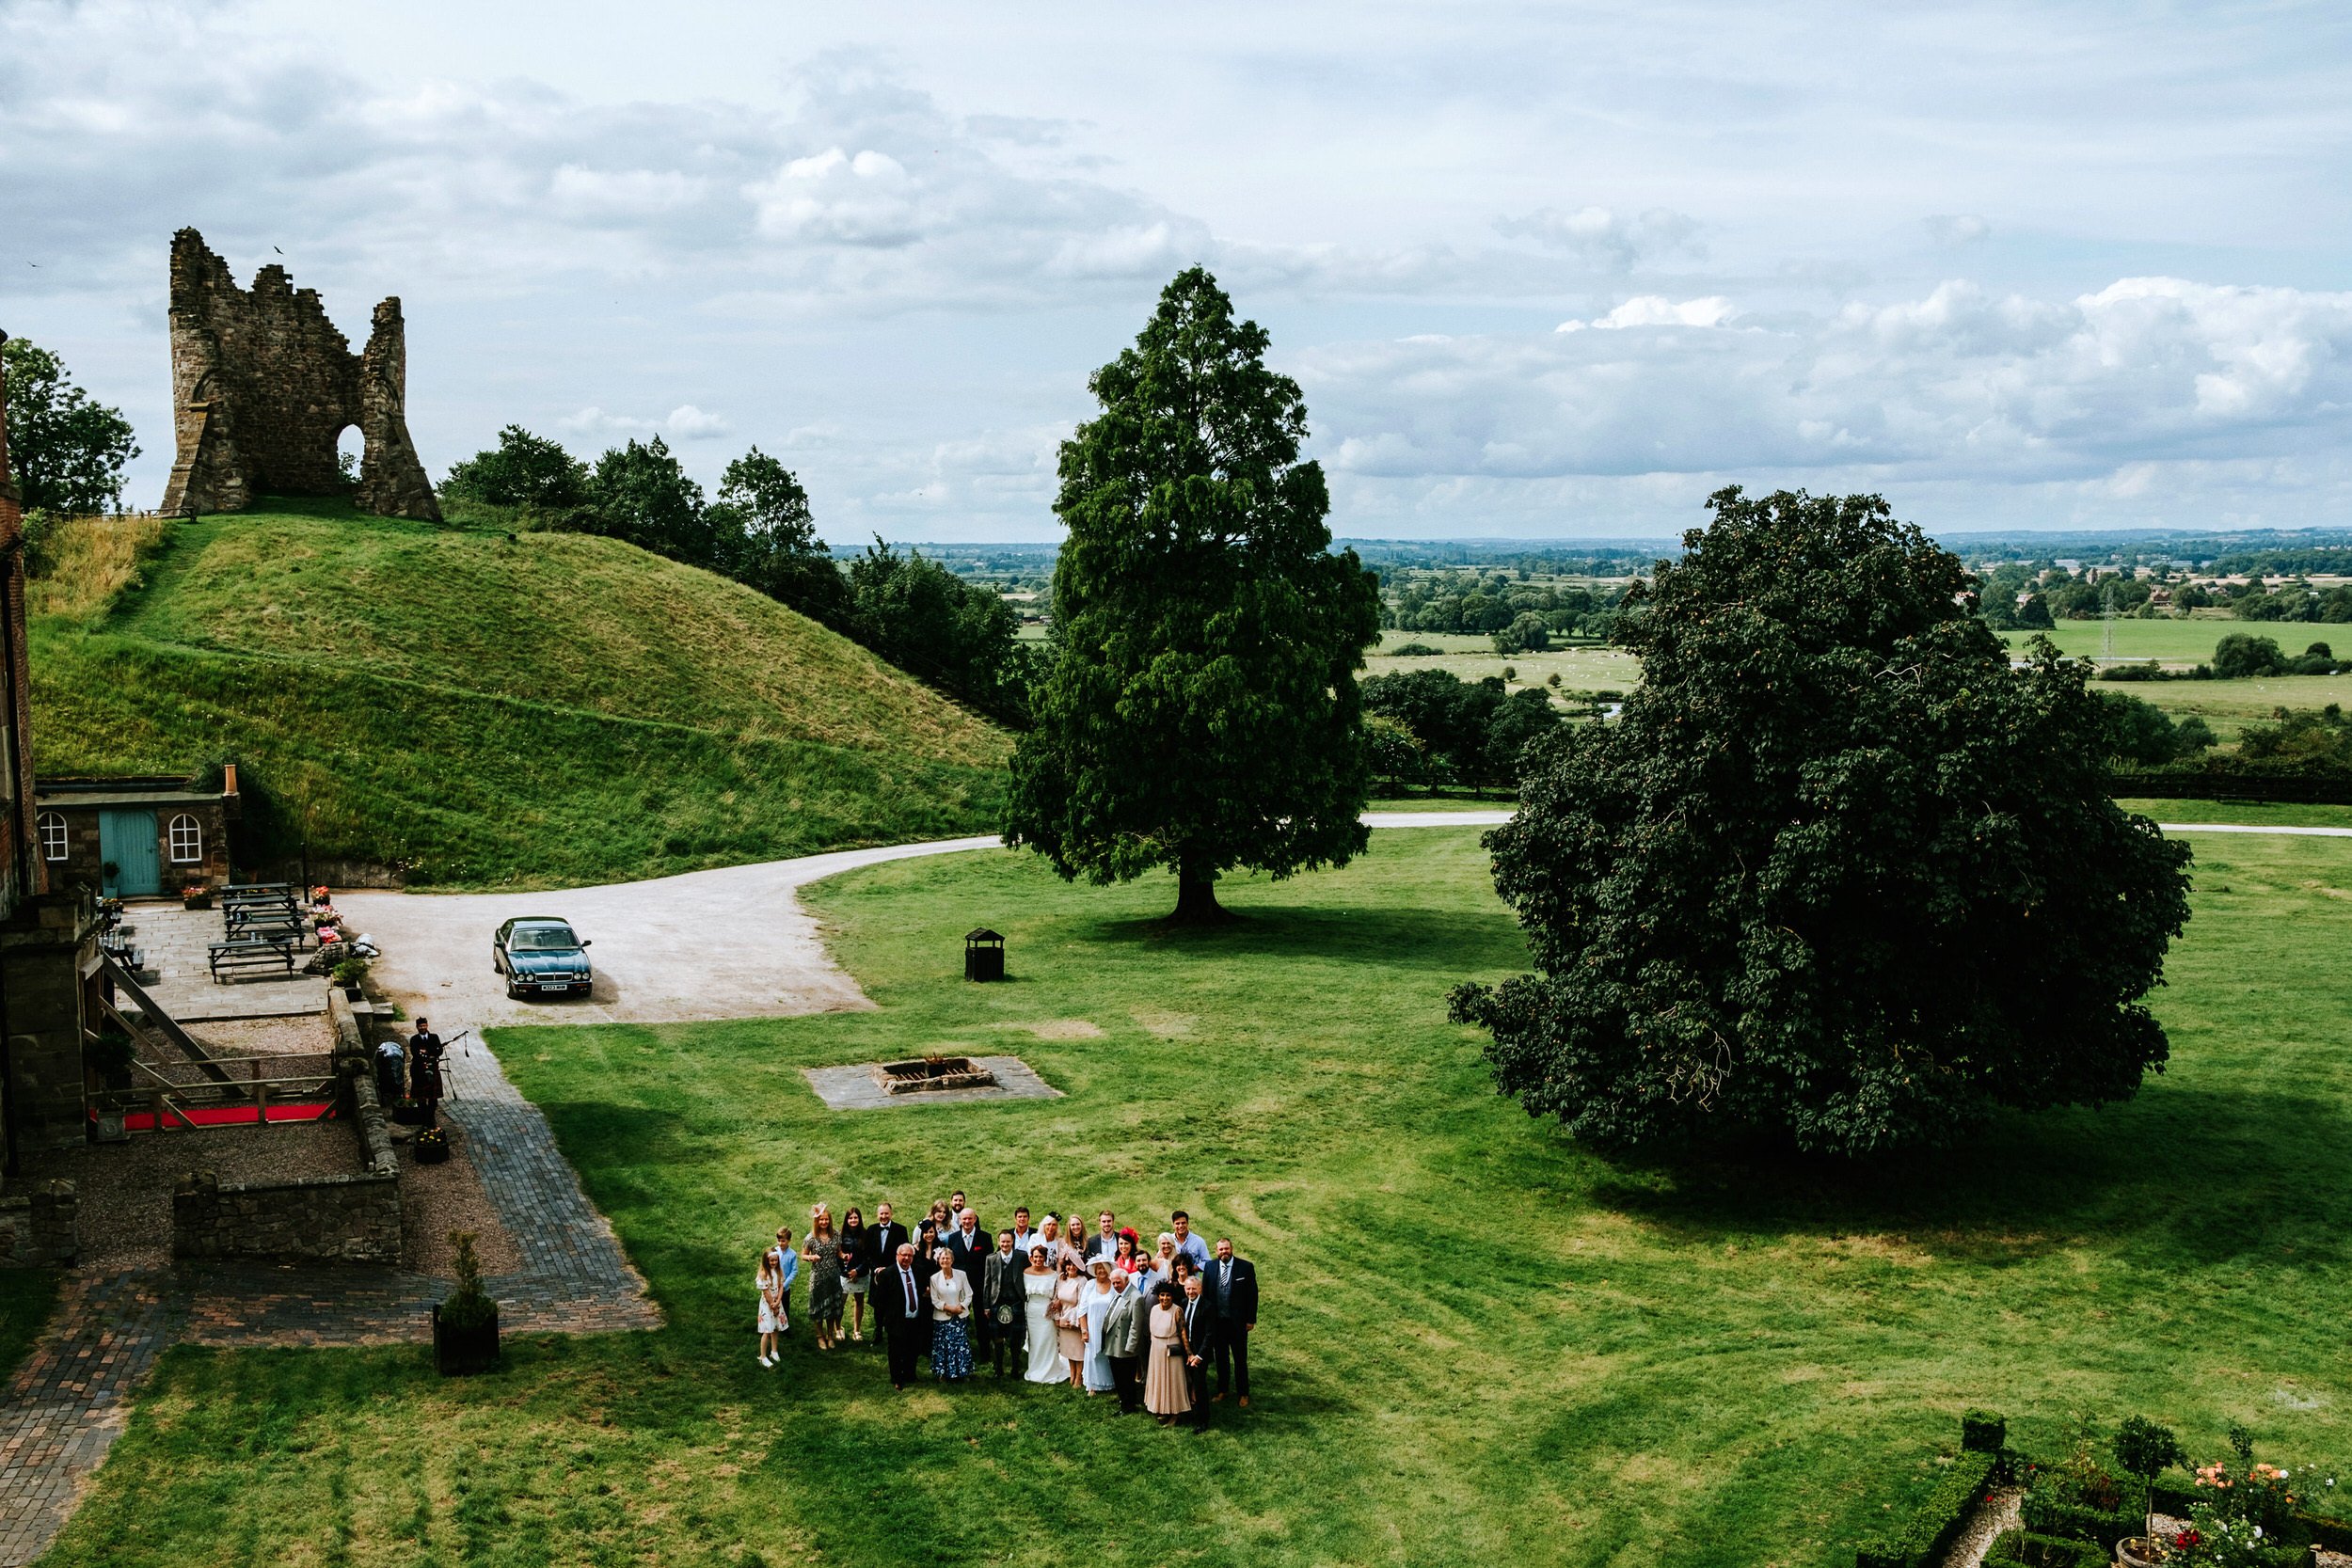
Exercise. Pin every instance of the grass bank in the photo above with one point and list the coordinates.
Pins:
(491, 710)
(1479, 1342)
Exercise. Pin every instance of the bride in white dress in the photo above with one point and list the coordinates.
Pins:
(1036, 1291)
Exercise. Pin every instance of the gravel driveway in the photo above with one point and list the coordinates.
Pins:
(733, 943)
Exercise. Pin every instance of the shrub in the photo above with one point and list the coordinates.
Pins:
(2241, 655)
(1412, 650)
(2045, 1513)
(469, 1305)
(1983, 1431)
(1937, 1521)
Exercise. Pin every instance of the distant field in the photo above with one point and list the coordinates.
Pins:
(2187, 642)
(1583, 668)
(2229, 707)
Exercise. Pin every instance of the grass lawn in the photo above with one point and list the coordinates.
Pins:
(1480, 1343)
(2252, 813)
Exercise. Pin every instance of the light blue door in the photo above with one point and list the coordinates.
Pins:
(126, 841)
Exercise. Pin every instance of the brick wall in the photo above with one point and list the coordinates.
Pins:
(324, 1219)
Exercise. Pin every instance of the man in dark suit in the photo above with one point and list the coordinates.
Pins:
(1105, 1242)
(1233, 1289)
(882, 1242)
(970, 1244)
(902, 1299)
(1001, 1304)
(1200, 1322)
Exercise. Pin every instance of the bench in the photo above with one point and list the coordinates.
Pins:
(274, 929)
(249, 953)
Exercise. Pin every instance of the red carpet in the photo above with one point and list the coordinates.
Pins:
(231, 1116)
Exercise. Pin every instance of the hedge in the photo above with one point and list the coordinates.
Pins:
(2020, 1548)
(2226, 778)
(2045, 1516)
(1937, 1521)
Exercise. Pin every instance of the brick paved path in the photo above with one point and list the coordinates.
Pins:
(575, 1277)
(69, 1401)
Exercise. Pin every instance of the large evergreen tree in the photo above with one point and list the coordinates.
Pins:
(1838, 875)
(1203, 713)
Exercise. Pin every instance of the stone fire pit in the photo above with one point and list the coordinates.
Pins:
(934, 1074)
(926, 1080)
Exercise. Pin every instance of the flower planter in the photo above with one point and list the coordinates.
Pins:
(408, 1113)
(459, 1351)
(431, 1148)
(195, 901)
(353, 993)
(2132, 1552)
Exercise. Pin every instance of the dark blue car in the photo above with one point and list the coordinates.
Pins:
(541, 956)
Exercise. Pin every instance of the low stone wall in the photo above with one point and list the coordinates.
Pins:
(37, 1227)
(326, 1219)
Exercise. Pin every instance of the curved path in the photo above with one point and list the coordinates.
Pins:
(731, 942)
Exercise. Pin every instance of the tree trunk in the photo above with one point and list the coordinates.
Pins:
(1196, 900)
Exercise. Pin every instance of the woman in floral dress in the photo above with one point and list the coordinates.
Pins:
(821, 1252)
(951, 1315)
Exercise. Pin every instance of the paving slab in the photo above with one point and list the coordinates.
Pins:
(175, 943)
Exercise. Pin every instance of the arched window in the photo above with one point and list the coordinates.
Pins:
(53, 840)
(187, 840)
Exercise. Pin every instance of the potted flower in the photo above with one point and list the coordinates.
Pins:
(197, 895)
(407, 1111)
(2143, 1449)
(465, 1325)
(348, 974)
(432, 1146)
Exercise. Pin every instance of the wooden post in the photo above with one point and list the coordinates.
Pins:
(261, 1103)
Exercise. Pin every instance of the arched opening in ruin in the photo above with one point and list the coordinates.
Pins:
(349, 448)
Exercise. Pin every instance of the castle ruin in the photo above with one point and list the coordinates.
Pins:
(263, 386)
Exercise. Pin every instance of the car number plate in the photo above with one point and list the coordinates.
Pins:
(548, 986)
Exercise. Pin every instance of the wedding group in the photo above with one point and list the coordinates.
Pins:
(1105, 1313)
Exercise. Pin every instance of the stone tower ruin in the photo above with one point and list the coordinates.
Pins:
(263, 385)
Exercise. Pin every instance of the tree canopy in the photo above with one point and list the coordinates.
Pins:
(522, 469)
(1203, 714)
(66, 452)
(1838, 876)
(765, 537)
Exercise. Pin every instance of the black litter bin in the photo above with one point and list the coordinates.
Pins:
(983, 955)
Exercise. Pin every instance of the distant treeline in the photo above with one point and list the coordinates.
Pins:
(955, 636)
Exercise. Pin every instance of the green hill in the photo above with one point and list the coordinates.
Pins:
(486, 709)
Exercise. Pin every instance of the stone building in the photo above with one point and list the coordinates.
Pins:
(263, 386)
(48, 938)
(132, 837)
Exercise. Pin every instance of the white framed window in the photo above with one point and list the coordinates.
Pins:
(53, 839)
(187, 840)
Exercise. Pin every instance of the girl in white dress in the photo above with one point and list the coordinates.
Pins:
(1037, 1283)
(771, 1308)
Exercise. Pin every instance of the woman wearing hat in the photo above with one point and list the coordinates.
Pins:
(1069, 1326)
(1127, 1261)
(1094, 1308)
(1165, 1393)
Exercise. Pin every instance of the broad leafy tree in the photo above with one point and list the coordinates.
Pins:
(1838, 876)
(957, 636)
(639, 493)
(1203, 713)
(66, 451)
(522, 469)
(766, 538)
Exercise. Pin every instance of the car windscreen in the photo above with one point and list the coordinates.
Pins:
(541, 938)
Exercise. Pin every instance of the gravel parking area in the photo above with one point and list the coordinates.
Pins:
(124, 1219)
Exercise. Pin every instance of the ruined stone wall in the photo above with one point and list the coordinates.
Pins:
(263, 385)
(37, 1227)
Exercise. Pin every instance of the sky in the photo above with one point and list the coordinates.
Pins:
(1547, 270)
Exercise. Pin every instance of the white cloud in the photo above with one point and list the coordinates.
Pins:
(1657, 310)
(690, 423)
(1957, 383)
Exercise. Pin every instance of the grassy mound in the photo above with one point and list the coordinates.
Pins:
(486, 708)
